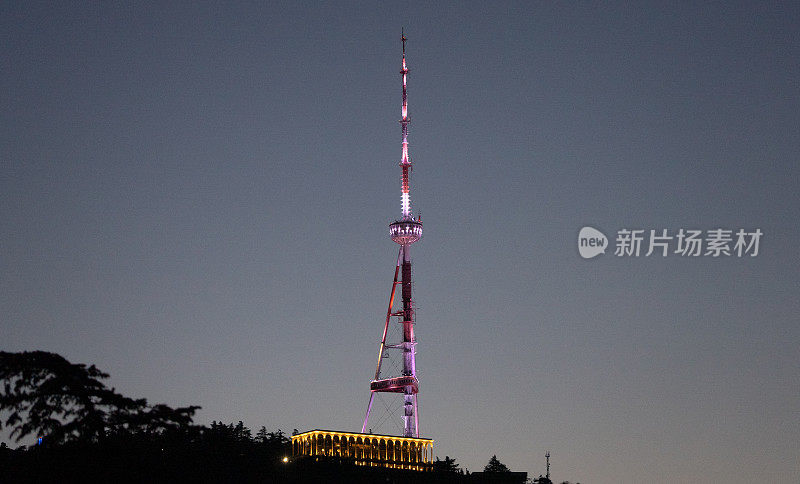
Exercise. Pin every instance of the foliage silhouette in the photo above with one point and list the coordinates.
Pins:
(446, 465)
(495, 465)
(46, 395)
(94, 434)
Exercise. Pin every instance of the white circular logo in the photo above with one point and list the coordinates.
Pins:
(591, 242)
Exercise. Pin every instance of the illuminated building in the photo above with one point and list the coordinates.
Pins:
(365, 449)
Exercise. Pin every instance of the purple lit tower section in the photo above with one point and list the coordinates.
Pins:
(405, 232)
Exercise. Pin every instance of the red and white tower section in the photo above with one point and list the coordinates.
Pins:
(405, 232)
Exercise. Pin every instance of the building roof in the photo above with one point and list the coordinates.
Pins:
(358, 434)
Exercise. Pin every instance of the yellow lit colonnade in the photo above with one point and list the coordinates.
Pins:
(366, 449)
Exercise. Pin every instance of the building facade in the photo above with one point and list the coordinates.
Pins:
(365, 449)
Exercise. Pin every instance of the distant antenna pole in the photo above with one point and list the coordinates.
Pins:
(547, 456)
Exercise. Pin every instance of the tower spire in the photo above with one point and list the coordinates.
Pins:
(405, 160)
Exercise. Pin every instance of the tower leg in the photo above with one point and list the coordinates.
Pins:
(388, 315)
(383, 339)
(416, 415)
(408, 344)
(366, 417)
(408, 417)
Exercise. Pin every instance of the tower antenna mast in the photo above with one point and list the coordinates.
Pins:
(547, 456)
(404, 232)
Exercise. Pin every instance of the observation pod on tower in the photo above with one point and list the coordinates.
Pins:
(405, 232)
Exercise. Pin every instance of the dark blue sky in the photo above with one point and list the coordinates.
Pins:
(195, 198)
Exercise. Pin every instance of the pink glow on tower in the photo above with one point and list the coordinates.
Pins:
(405, 161)
(405, 232)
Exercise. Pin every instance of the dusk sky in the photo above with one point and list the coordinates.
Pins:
(195, 197)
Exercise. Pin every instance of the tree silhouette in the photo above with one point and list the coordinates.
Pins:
(446, 465)
(495, 465)
(272, 440)
(262, 435)
(242, 433)
(46, 395)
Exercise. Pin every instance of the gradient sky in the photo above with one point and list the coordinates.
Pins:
(195, 197)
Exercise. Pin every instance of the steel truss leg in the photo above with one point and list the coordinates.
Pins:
(383, 339)
(366, 417)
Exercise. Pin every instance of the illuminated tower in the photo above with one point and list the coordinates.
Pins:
(405, 232)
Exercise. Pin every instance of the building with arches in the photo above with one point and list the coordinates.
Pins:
(365, 449)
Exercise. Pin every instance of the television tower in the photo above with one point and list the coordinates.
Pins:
(405, 232)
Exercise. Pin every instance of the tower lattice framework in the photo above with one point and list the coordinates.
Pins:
(404, 232)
